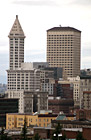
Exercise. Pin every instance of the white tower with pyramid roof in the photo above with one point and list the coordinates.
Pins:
(16, 42)
(20, 76)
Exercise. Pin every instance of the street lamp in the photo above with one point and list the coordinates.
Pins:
(59, 135)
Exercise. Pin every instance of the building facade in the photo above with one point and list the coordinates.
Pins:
(83, 114)
(63, 90)
(75, 81)
(71, 124)
(57, 105)
(48, 76)
(15, 120)
(63, 49)
(85, 85)
(35, 101)
(22, 79)
(87, 99)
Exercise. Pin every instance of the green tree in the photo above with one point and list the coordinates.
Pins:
(24, 131)
(79, 136)
(36, 137)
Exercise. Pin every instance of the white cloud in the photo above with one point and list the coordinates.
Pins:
(82, 2)
(86, 59)
(35, 2)
(86, 62)
(35, 20)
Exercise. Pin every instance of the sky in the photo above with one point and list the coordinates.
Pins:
(37, 16)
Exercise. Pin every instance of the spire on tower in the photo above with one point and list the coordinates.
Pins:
(16, 29)
(16, 16)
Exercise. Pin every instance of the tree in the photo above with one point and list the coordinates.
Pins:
(63, 137)
(24, 131)
(3, 135)
(56, 133)
(79, 136)
(36, 137)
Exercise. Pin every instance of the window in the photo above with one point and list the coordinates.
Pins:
(39, 124)
(39, 120)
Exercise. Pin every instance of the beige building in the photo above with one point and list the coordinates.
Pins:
(87, 100)
(85, 85)
(47, 81)
(63, 49)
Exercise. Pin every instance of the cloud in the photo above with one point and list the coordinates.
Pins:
(35, 2)
(86, 59)
(86, 62)
(81, 2)
(3, 43)
(3, 46)
(86, 49)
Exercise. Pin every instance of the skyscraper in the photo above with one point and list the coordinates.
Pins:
(16, 42)
(63, 49)
(21, 76)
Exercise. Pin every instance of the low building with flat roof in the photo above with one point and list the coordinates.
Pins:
(16, 120)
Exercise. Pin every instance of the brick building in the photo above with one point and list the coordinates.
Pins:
(57, 105)
(63, 90)
(71, 124)
(83, 114)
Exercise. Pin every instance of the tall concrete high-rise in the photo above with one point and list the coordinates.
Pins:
(21, 76)
(16, 42)
(63, 49)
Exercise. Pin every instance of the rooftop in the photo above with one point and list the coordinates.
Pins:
(63, 29)
(86, 92)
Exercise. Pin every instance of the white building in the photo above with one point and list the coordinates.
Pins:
(16, 45)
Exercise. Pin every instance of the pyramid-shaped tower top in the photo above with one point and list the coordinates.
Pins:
(16, 29)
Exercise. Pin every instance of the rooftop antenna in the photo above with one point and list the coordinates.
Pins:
(16, 16)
